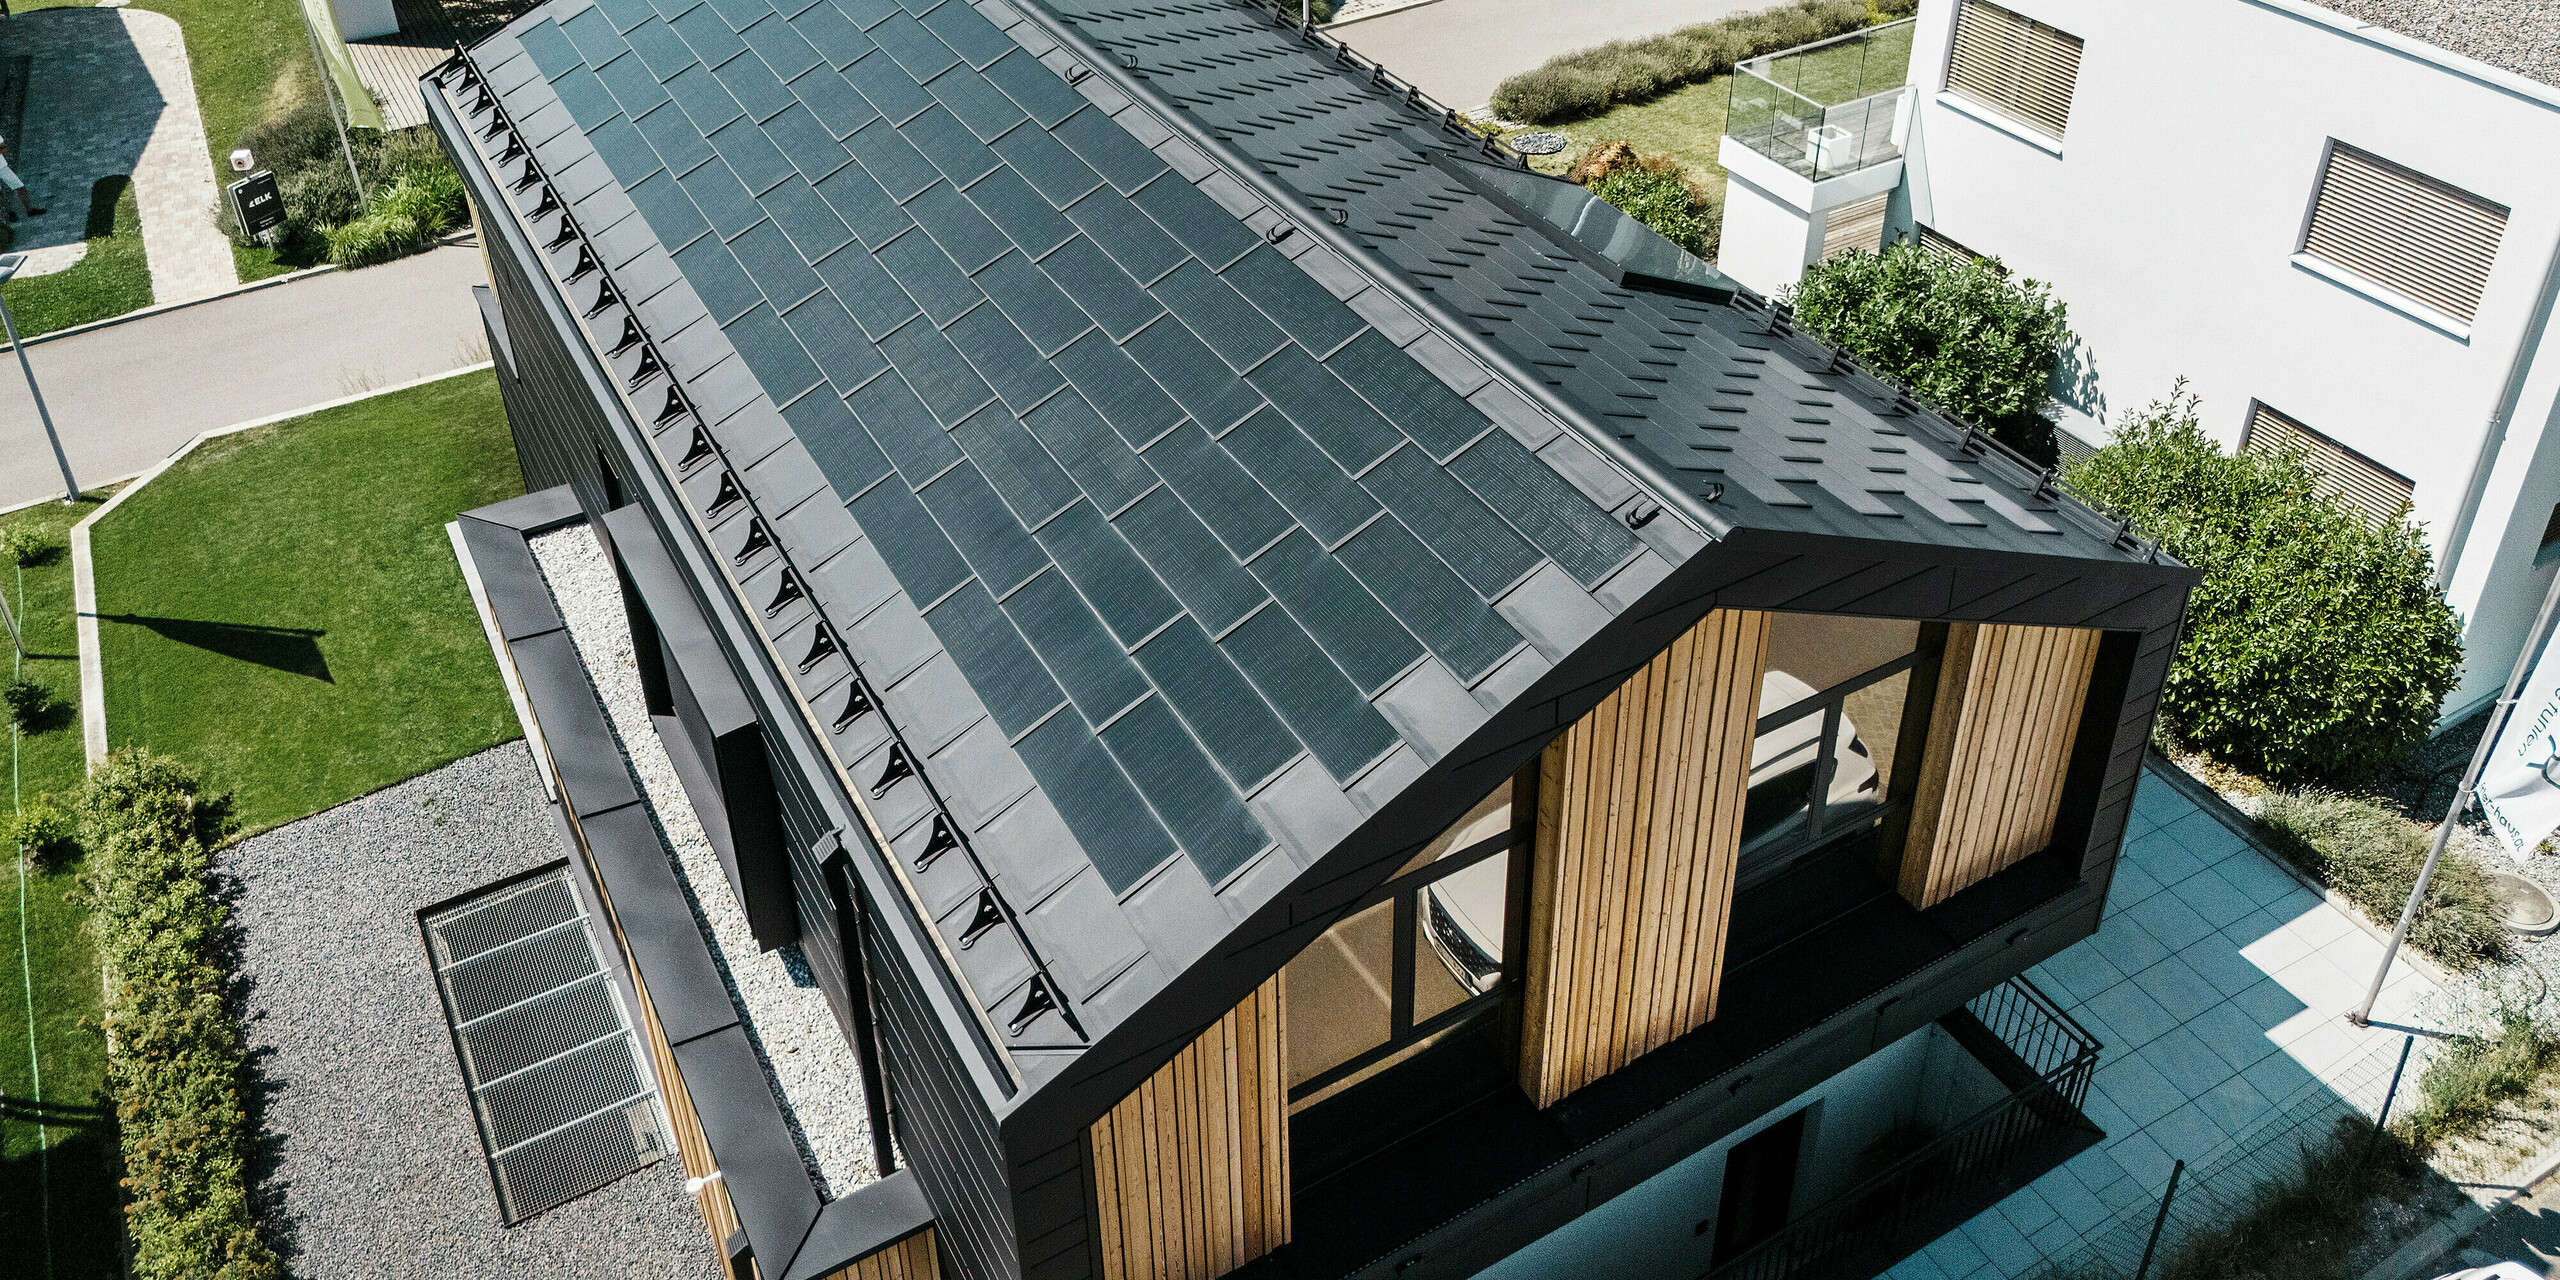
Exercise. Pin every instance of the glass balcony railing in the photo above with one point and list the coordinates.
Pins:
(1826, 109)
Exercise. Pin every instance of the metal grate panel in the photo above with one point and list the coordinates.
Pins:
(563, 1102)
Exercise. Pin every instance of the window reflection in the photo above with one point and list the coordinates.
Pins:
(1810, 652)
(1458, 941)
(1339, 998)
(1833, 702)
(1490, 817)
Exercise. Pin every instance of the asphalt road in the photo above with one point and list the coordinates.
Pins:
(127, 395)
(2527, 1231)
(1458, 50)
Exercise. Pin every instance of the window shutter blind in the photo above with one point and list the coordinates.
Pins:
(2015, 65)
(2346, 476)
(2404, 230)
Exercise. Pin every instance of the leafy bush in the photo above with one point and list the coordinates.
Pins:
(27, 545)
(2371, 856)
(176, 1072)
(42, 828)
(1655, 191)
(2317, 645)
(376, 237)
(432, 198)
(1589, 81)
(321, 197)
(27, 701)
(2459, 1093)
(1967, 337)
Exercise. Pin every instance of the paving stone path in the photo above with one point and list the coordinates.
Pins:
(111, 93)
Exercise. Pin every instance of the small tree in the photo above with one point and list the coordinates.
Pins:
(2317, 646)
(1966, 336)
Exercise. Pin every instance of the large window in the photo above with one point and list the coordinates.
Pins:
(2014, 65)
(1424, 955)
(1835, 712)
(2424, 239)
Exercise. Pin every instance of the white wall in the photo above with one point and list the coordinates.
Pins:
(2167, 216)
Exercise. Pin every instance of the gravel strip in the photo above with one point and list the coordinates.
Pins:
(2522, 36)
(804, 1053)
(370, 1161)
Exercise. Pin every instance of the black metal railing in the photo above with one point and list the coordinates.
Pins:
(1911, 1201)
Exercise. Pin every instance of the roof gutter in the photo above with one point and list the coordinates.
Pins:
(2493, 436)
(1310, 220)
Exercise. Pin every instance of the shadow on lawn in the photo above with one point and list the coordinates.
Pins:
(294, 650)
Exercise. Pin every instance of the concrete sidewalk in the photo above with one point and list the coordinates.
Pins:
(1458, 50)
(125, 395)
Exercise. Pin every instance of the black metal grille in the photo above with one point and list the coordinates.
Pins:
(563, 1104)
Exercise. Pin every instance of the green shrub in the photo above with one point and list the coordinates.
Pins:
(2459, 1093)
(2372, 855)
(42, 828)
(1966, 336)
(2317, 645)
(176, 1071)
(431, 198)
(27, 545)
(1587, 82)
(27, 701)
(1661, 198)
(379, 236)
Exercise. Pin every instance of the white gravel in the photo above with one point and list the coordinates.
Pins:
(369, 1161)
(2522, 36)
(805, 1056)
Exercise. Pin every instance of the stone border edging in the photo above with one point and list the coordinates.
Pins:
(84, 587)
(446, 240)
(2245, 827)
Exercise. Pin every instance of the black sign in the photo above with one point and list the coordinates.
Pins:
(257, 202)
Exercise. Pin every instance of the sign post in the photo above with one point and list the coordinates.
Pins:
(258, 203)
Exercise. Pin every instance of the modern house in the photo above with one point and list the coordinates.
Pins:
(2267, 198)
(1316, 703)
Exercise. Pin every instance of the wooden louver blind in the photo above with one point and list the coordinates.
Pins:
(2347, 477)
(1856, 225)
(2000, 736)
(2015, 65)
(1191, 1171)
(2401, 229)
(1639, 827)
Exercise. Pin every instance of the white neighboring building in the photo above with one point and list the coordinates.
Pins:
(2341, 234)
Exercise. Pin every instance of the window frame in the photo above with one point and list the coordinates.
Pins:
(1773, 853)
(1998, 112)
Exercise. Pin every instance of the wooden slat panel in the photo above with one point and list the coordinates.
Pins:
(2001, 731)
(2014, 65)
(917, 1257)
(1638, 832)
(2378, 493)
(1857, 225)
(2425, 238)
(1191, 1170)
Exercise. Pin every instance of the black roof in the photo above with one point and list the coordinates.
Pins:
(1175, 529)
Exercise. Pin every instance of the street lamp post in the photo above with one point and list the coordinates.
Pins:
(9, 264)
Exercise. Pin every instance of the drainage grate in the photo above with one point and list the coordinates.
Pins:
(556, 1083)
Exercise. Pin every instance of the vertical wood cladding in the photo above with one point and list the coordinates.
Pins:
(2007, 712)
(691, 1146)
(914, 1258)
(1639, 828)
(1191, 1170)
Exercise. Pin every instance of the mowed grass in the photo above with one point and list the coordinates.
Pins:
(1849, 69)
(1686, 124)
(251, 59)
(111, 279)
(282, 608)
(58, 1154)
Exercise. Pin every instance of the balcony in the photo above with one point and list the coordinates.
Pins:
(1828, 109)
(2045, 1058)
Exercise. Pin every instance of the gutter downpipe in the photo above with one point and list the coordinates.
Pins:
(2493, 437)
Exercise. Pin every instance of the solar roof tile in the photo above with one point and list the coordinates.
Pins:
(857, 280)
(1103, 465)
(1117, 831)
(634, 86)
(1132, 603)
(1000, 668)
(1004, 358)
(1103, 290)
(967, 32)
(901, 170)
(926, 564)
(978, 104)
(810, 147)
(937, 371)
(1309, 692)
(926, 273)
(978, 523)
(1301, 476)
(671, 134)
(1204, 577)
(1140, 246)
(702, 97)
(888, 86)
(585, 97)
(916, 444)
(1109, 149)
(724, 288)
(1170, 770)
(803, 215)
(593, 36)
(1576, 534)
(767, 345)
(1488, 553)
(751, 155)
(921, 52)
(1195, 219)
(624, 150)
(549, 47)
(1033, 302)
(1129, 400)
(1227, 498)
(1027, 219)
(1298, 304)
(781, 46)
(660, 47)
(857, 198)
(1223, 711)
(834, 102)
(949, 145)
(1015, 463)
(844, 452)
(671, 215)
(1325, 409)
(966, 237)
(713, 40)
(1418, 402)
(1047, 165)
(626, 14)
(1203, 386)
(1421, 591)
(832, 34)
(1034, 88)
(739, 13)
(1095, 671)
(1352, 626)
(842, 352)
(1220, 315)
(774, 265)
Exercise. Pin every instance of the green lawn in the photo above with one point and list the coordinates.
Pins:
(252, 60)
(1685, 124)
(283, 610)
(111, 280)
(1847, 70)
(65, 1176)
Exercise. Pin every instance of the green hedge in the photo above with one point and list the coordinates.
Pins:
(2317, 645)
(1968, 337)
(1590, 81)
(176, 1072)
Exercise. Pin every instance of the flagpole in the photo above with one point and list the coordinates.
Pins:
(2462, 797)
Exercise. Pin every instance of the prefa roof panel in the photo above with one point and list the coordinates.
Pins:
(1177, 488)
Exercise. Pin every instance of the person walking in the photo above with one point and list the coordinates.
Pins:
(9, 179)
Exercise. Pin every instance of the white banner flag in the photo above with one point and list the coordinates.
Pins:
(2520, 785)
